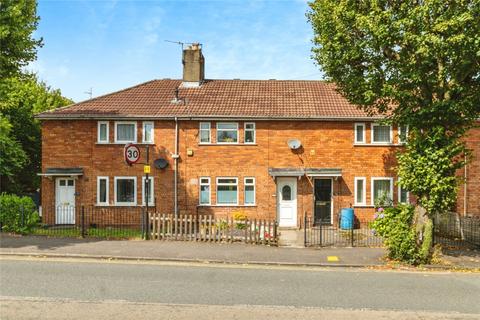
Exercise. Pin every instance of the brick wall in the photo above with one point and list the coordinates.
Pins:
(324, 145)
(473, 178)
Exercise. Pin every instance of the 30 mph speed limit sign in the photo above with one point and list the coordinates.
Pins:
(131, 153)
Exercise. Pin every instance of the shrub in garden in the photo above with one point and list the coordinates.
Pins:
(17, 214)
(396, 226)
(240, 217)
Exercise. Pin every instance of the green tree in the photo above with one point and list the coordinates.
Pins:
(417, 63)
(22, 98)
(18, 47)
(12, 156)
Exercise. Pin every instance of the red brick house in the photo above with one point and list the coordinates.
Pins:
(273, 149)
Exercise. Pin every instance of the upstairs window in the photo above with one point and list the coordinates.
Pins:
(204, 132)
(360, 133)
(148, 132)
(381, 133)
(227, 132)
(249, 133)
(227, 191)
(402, 134)
(249, 196)
(102, 136)
(205, 190)
(125, 132)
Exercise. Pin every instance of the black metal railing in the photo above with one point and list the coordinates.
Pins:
(457, 231)
(83, 221)
(318, 233)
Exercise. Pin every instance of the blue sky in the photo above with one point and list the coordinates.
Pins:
(111, 45)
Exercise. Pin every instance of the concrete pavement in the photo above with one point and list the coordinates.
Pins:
(236, 253)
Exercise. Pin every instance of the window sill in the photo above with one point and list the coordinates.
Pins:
(122, 143)
(227, 205)
(377, 145)
(363, 206)
(227, 144)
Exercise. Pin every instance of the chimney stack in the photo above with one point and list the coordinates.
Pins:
(193, 66)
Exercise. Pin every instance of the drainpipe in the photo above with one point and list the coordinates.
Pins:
(465, 189)
(175, 159)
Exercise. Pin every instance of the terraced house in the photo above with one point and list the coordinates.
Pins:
(273, 149)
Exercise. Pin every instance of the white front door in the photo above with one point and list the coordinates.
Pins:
(65, 201)
(287, 202)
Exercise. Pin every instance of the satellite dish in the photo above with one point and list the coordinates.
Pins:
(294, 144)
(160, 163)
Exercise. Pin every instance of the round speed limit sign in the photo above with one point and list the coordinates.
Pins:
(131, 153)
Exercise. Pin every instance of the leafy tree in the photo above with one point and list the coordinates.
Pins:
(12, 156)
(22, 98)
(18, 47)
(418, 64)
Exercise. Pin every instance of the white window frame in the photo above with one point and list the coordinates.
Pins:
(143, 132)
(364, 198)
(216, 135)
(372, 134)
(372, 191)
(254, 130)
(200, 133)
(245, 191)
(99, 124)
(125, 122)
(200, 184)
(400, 141)
(151, 200)
(356, 125)
(226, 184)
(125, 204)
(400, 195)
(99, 203)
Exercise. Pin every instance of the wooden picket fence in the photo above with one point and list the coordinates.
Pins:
(212, 229)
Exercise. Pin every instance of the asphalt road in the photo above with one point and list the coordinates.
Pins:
(55, 284)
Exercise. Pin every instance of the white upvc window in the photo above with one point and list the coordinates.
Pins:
(382, 187)
(125, 189)
(381, 134)
(204, 133)
(103, 132)
(125, 132)
(205, 191)
(360, 133)
(102, 191)
(249, 191)
(148, 132)
(360, 191)
(403, 195)
(227, 191)
(249, 133)
(402, 134)
(151, 192)
(227, 132)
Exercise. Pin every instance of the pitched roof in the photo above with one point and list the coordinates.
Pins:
(269, 99)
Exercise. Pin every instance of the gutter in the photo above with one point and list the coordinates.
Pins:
(205, 118)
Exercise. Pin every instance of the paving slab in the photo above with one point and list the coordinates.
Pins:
(191, 251)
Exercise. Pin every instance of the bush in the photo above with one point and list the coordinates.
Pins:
(395, 225)
(17, 214)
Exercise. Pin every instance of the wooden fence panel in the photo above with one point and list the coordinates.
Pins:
(208, 228)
